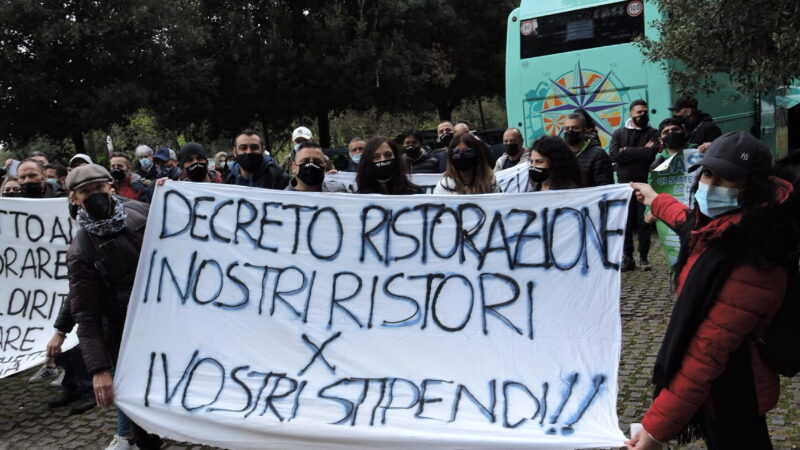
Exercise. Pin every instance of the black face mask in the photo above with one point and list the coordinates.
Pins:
(511, 149)
(675, 141)
(197, 171)
(31, 190)
(73, 210)
(465, 160)
(538, 174)
(98, 205)
(162, 172)
(412, 151)
(311, 174)
(573, 138)
(250, 161)
(384, 170)
(642, 121)
(444, 141)
(12, 194)
(117, 174)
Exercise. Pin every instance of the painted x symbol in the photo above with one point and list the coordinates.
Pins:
(318, 352)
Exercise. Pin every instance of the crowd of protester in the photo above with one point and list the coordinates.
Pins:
(731, 192)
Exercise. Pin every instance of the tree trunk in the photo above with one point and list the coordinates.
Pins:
(267, 136)
(324, 125)
(483, 119)
(445, 110)
(80, 146)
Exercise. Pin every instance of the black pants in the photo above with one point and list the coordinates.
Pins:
(636, 224)
(748, 433)
(144, 440)
(77, 382)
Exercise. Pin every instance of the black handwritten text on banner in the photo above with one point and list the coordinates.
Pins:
(34, 238)
(271, 319)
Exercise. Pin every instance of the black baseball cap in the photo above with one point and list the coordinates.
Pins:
(684, 102)
(735, 155)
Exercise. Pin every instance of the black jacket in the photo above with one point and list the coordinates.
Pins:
(268, 176)
(426, 163)
(595, 167)
(629, 153)
(702, 129)
(99, 302)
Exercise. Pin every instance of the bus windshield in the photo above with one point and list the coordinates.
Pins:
(581, 29)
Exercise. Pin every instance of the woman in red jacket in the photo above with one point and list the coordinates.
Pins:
(738, 244)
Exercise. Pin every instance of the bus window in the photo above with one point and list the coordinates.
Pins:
(614, 23)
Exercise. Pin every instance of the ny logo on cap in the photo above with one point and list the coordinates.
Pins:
(745, 156)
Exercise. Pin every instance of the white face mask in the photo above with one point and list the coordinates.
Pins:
(715, 201)
(356, 158)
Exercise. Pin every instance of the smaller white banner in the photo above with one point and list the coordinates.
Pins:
(512, 180)
(34, 238)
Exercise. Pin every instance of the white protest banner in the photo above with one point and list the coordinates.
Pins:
(34, 238)
(511, 180)
(273, 319)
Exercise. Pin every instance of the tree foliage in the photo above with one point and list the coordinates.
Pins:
(754, 42)
(70, 66)
(206, 68)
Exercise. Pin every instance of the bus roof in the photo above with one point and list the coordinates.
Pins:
(537, 8)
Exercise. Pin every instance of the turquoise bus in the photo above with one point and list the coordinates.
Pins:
(567, 54)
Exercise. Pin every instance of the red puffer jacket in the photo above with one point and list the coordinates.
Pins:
(745, 306)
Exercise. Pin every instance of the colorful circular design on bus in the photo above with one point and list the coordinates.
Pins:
(590, 90)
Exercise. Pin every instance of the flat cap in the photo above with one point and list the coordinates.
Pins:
(85, 174)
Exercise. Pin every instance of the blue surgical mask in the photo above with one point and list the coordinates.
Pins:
(356, 158)
(715, 201)
(52, 180)
(145, 163)
(296, 147)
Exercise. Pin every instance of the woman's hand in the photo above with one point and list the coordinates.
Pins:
(650, 218)
(103, 389)
(643, 441)
(644, 193)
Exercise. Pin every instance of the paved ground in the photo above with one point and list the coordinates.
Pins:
(26, 423)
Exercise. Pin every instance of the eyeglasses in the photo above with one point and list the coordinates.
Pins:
(465, 151)
(316, 161)
(254, 147)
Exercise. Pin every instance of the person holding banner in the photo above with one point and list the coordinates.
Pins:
(553, 166)
(101, 266)
(309, 171)
(739, 243)
(468, 170)
(383, 171)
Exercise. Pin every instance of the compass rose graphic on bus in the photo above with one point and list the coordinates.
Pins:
(593, 91)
